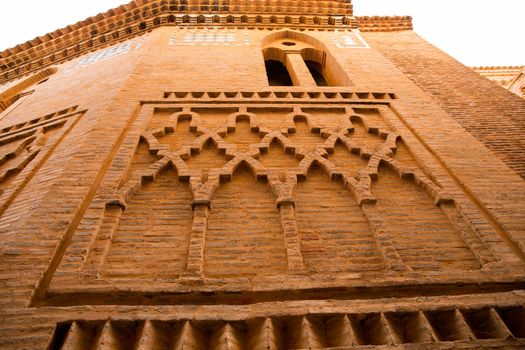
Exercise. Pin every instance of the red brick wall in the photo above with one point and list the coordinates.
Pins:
(492, 114)
(185, 202)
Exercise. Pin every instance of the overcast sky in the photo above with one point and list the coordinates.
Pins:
(476, 32)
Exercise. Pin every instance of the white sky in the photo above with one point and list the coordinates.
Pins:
(476, 32)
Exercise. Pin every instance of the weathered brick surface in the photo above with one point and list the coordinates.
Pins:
(333, 237)
(161, 195)
(152, 236)
(494, 116)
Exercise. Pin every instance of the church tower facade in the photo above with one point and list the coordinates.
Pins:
(278, 174)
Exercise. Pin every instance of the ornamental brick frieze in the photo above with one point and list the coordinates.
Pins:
(114, 27)
(479, 327)
(245, 174)
(188, 167)
(24, 148)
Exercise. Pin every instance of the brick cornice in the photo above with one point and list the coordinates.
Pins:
(384, 23)
(494, 68)
(141, 16)
(54, 49)
(145, 9)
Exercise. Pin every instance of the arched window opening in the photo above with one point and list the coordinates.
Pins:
(277, 74)
(20, 90)
(316, 72)
(307, 59)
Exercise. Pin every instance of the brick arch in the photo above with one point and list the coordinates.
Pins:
(150, 200)
(274, 53)
(253, 226)
(194, 118)
(10, 95)
(334, 231)
(314, 50)
(242, 116)
(293, 118)
(295, 36)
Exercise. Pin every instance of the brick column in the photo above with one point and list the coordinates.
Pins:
(291, 239)
(298, 70)
(99, 250)
(384, 240)
(195, 265)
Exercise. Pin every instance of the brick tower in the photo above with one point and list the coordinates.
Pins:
(277, 174)
(511, 78)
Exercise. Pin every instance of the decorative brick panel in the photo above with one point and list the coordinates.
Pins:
(158, 193)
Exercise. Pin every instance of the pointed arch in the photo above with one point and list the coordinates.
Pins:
(156, 209)
(246, 207)
(278, 161)
(204, 140)
(244, 164)
(319, 163)
(208, 157)
(334, 233)
(406, 193)
(148, 175)
(275, 136)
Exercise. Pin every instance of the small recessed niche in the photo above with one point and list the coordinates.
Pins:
(288, 43)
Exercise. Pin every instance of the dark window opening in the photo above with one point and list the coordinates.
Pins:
(277, 74)
(316, 72)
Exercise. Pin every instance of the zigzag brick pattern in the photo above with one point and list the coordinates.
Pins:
(433, 329)
(163, 186)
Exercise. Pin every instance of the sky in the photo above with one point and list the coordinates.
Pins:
(476, 32)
